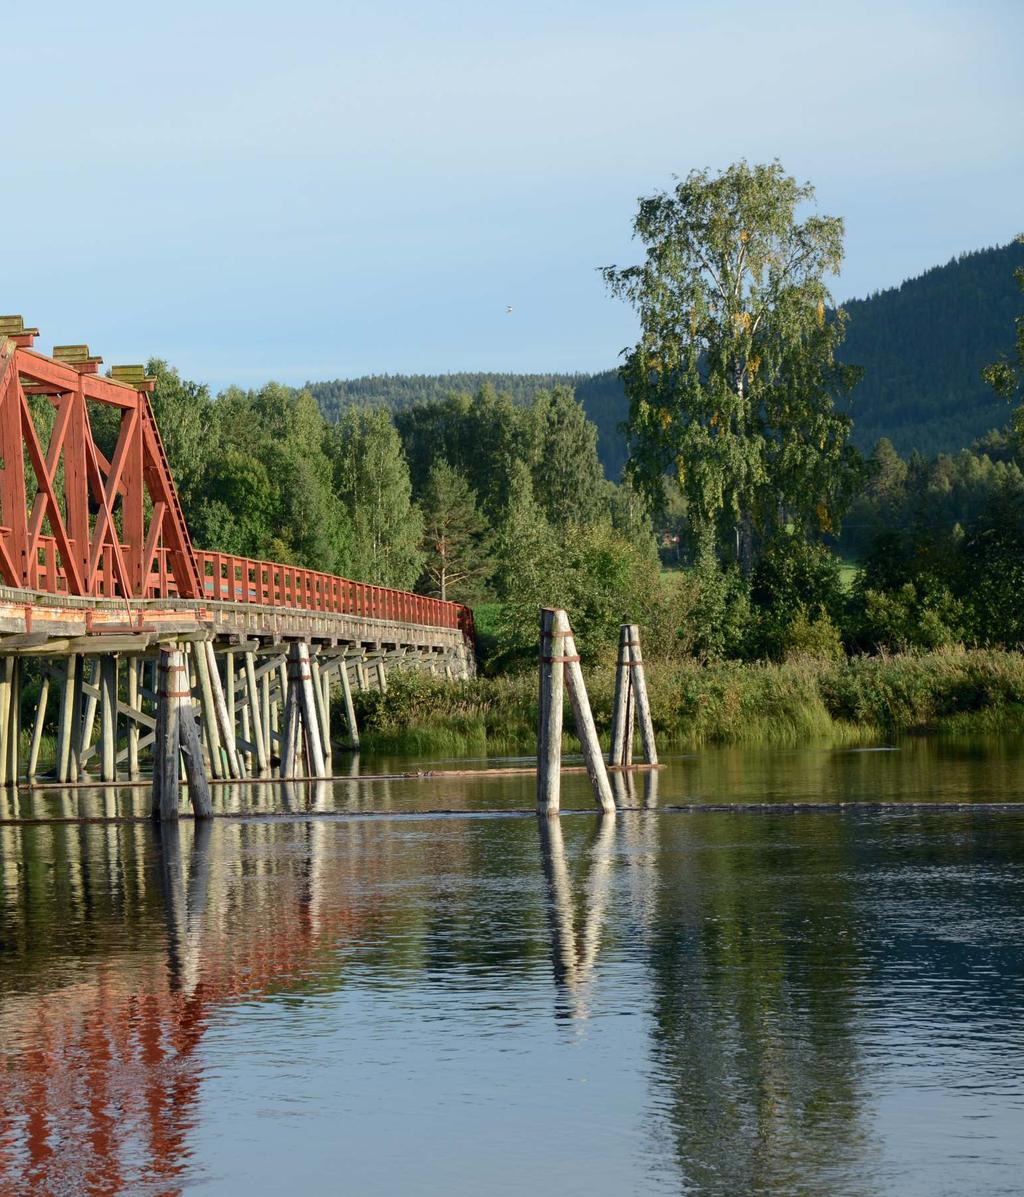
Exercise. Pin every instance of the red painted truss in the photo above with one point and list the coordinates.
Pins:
(73, 521)
(102, 530)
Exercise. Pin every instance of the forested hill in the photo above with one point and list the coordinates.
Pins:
(922, 346)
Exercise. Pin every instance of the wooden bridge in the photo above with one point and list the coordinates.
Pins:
(97, 571)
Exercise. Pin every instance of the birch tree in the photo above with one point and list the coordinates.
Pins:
(732, 384)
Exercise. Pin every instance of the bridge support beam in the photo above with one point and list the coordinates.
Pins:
(263, 703)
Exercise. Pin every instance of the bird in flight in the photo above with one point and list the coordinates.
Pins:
(508, 310)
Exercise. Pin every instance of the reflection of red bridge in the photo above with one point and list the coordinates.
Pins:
(101, 1077)
(96, 560)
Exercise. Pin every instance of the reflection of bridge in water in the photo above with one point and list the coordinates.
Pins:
(135, 959)
(97, 568)
(122, 941)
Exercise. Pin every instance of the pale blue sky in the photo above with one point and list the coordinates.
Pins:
(319, 190)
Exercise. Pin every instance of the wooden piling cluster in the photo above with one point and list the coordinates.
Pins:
(631, 703)
(560, 671)
(236, 707)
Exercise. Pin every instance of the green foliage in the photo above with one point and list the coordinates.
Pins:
(992, 573)
(922, 615)
(798, 701)
(371, 479)
(600, 578)
(815, 636)
(719, 617)
(732, 383)
(456, 538)
(188, 427)
(797, 598)
(568, 480)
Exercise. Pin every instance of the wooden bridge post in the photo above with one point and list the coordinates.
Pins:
(171, 678)
(177, 738)
(225, 720)
(322, 702)
(10, 719)
(256, 733)
(218, 763)
(350, 710)
(90, 699)
(37, 727)
(65, 720)
(108, 670)
(560, 666)
(77, 717)
(269, 721)
(301, 724)
(135, 702)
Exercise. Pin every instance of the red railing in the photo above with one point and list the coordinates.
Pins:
(226, 578)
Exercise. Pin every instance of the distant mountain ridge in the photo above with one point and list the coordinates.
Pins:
(922, 346)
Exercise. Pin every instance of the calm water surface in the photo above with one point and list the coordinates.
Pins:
(791, 1002)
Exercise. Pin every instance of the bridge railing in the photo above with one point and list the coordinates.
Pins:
(232, 579)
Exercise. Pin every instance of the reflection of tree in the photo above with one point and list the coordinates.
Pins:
(755, 968)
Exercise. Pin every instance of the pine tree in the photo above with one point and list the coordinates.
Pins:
(568, 480)
(456, 544)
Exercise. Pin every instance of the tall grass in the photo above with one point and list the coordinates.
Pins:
(800, 701)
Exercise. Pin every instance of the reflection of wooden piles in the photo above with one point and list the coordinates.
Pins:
(573, 956)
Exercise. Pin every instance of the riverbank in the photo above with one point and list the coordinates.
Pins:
(728, 702)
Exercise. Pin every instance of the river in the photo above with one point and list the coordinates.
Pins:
(419, 989)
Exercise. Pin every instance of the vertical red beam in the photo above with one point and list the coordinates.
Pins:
(133, 522)
(76, 487)
(12, 477)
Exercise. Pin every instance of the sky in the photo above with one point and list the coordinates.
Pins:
(314, 190)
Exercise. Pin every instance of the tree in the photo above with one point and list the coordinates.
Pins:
(188, 427)
(455, 543)
(372, 479)
(732, 384)
(568, 480)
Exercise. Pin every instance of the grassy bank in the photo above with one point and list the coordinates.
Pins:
(803, 701)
